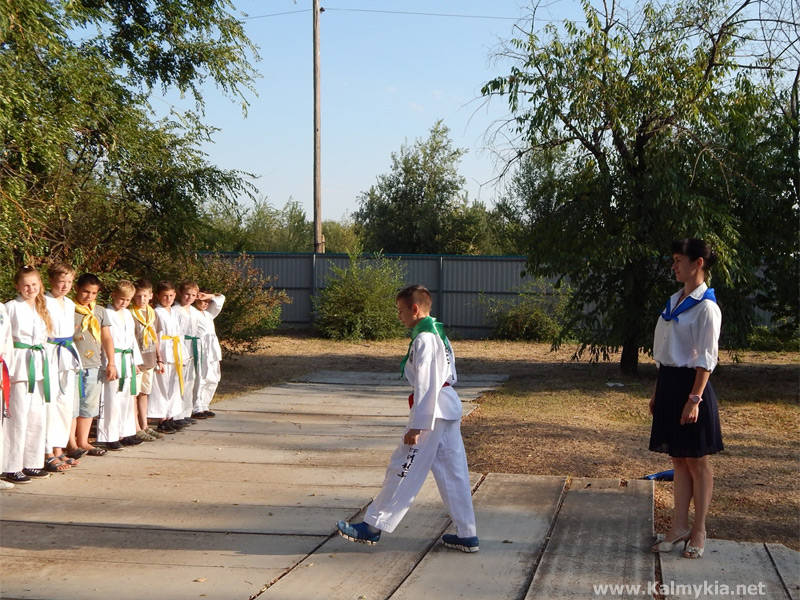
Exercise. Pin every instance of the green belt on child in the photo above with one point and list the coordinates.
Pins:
(32, 368)
(129, 353)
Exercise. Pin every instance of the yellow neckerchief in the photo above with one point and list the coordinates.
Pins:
(147, 320)
(90, 321)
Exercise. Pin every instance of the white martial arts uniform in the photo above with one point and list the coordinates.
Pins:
(188, 317)
(24, 439)
(6, 368)
(211, 353)
(65, 363)
(437, 412)
(117, 419)
(165, 400)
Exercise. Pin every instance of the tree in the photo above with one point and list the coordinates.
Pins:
(420, 206)
(618, 124)
(87, 174)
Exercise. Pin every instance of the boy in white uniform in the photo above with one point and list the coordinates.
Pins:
(117, 424)
(432, 441)
(6, 368)
(188, 317)
(65, 363)
(165, 401)
(209, 306)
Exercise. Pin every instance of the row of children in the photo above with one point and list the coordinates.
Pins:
(141, 371)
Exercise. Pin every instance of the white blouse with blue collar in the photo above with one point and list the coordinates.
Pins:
(691, 340)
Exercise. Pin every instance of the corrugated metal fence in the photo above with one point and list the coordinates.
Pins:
(457, 283)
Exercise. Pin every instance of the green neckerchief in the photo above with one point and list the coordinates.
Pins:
(425, 325)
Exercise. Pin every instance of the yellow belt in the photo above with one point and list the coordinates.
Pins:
(177, 354)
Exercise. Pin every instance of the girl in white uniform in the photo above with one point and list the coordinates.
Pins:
(6, 368)
(432, 441)
(165, 402)
(24, 439)
(66, 363)
(209, 306)
(117, 424)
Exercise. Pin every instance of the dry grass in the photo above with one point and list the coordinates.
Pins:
(558, 417)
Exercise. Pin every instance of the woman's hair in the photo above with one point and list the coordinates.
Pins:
(694, 249)
(39, 302)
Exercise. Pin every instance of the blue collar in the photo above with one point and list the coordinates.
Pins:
(688, 303)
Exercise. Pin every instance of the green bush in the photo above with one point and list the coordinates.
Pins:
(252, 306)
(764, 338)
(358, 301)
(534, 314)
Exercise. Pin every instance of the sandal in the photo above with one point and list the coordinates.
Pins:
(96, 451)
(54, 465)
(77, 453)
(68, 460)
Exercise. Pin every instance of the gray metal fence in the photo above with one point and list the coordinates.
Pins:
(457, 283)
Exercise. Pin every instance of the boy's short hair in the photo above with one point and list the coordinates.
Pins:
(123, 286)
(88, 279)
(187, 285)
(416, 294)
(58, 269)
(143, 284)
(164, 286)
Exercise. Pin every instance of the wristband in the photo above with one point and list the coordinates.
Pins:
(695, 398)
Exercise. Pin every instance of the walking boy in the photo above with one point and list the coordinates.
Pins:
(432, 441)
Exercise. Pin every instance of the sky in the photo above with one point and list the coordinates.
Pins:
(386, 78)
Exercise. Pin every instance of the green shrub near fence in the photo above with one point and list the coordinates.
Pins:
(357, 302)
(534, 314)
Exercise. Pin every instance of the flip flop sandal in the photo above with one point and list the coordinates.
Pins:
(77, 453)
(68, 461)
(54, 465)
(97, 451)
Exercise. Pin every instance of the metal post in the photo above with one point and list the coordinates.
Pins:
(319, 241)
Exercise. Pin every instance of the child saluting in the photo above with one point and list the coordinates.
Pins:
(432, 441)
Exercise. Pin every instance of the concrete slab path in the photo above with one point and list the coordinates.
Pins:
(244, 506)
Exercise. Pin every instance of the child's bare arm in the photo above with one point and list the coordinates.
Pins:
(107, 342)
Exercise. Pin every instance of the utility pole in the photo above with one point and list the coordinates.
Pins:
(319, 241)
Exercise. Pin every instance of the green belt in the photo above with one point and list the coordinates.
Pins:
(195, 352)
(124, 373)
(32, 368)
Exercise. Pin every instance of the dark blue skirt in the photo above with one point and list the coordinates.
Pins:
(692, 440)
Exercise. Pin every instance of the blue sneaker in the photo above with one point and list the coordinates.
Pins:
(358, 533)
(465, 544)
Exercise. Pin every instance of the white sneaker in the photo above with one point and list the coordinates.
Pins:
(6, 485)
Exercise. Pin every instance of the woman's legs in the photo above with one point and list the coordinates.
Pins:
(682, 488)
(703, 486)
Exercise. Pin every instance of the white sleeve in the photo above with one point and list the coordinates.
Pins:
(431, 372)
(215, 305)
(706, 336)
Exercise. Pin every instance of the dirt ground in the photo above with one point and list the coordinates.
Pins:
(555, 416)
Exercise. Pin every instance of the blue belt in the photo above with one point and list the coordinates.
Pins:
(66, 342)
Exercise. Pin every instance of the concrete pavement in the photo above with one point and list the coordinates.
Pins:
(244, 506)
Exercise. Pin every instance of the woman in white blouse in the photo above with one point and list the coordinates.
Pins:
(683, 405)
